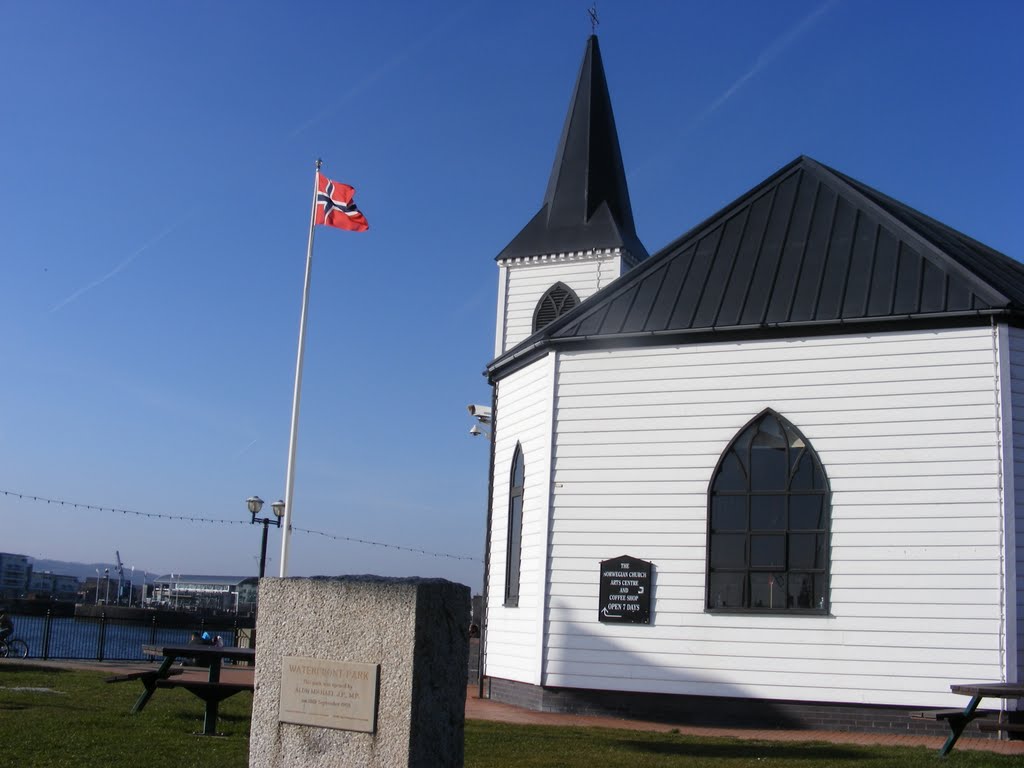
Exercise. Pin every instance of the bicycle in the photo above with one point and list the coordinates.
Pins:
(13, 648)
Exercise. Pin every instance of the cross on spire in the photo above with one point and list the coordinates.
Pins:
(594, 21)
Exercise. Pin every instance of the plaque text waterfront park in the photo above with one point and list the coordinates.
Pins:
(330, 694)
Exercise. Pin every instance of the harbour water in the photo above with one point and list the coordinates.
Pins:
(76, 638)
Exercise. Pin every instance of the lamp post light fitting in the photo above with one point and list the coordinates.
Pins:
(255, 505)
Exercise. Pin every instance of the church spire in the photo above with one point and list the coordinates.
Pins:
(586, 205)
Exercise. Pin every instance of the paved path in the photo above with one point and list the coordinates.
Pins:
(485, 709)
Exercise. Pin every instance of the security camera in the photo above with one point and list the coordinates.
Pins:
(481, 412)
(475, 431)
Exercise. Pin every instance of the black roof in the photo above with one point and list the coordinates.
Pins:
(586, 205)
(806, 250)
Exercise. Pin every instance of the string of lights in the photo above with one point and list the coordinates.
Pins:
(225, 521)
(98, 508)
(387, 546)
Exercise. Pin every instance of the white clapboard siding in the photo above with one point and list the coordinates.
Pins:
(951, 373)
(522, 416)
(798, 646)
(1016, 355)
(640, 440)
(907, 427)
(528, 280)
(687, 637)
(906, 603)
(823, 415)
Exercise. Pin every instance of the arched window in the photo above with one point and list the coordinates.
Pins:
(558, 300)
(768, 523)
(514, 550)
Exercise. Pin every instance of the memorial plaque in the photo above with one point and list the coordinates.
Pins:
(625, 591)
(329, 694)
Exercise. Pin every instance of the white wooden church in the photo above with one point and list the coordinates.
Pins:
(791, 432)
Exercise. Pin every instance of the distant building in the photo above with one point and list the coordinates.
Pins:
(53, 586)
(195, 592)
(15, 571)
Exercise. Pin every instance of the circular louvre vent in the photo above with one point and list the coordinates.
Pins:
(556, 302)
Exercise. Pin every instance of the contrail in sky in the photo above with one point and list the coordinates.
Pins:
(362, 85)
(246, 448)
(100, 281)
(778, 46)
(765, 58)
(389, 66)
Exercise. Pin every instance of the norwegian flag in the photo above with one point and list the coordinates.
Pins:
(335, 208)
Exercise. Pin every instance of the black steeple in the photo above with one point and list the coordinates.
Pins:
(586, 205)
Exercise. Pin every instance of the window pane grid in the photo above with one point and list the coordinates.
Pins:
(768, 523)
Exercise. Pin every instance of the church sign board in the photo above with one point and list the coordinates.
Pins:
(625, 591)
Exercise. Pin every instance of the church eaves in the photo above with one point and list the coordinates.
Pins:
(807, 251)
(586, 206)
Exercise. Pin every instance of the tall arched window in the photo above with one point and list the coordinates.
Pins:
(558, 300)
(768, 523)
(514, 550)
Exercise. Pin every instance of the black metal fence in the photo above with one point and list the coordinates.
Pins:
(114, 639)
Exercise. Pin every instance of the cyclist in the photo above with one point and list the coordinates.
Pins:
(6, 625)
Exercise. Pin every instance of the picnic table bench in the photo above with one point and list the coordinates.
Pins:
(989, 720)
(212, 690)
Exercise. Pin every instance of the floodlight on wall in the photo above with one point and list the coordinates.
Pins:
(481, 413)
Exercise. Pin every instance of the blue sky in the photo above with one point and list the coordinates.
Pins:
(156, 165)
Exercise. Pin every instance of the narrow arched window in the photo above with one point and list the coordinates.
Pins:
(558, 300)
(768, 523)
(514, 550)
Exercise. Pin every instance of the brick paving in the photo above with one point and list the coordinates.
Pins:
(486, 709)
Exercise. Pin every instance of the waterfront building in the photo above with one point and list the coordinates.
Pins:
(15, 571)
(186, 591)
(53, 586)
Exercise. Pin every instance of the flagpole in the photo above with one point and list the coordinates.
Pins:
(297, 395)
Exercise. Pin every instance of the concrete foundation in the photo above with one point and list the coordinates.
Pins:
(416, 630)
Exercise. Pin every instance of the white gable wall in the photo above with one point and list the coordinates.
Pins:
(523, 415)
(907, 426)
(522, 283)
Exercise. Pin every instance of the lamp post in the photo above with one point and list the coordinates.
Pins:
(255, 504)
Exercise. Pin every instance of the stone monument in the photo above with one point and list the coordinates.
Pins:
(360, 671)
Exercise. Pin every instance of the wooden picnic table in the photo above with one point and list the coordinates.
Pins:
(990, 720)
(212, 690)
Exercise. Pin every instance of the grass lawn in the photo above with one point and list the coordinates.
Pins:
(53, 718)
(489, 745)
(62, 718)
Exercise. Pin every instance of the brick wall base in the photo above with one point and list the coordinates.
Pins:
(711, 711)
